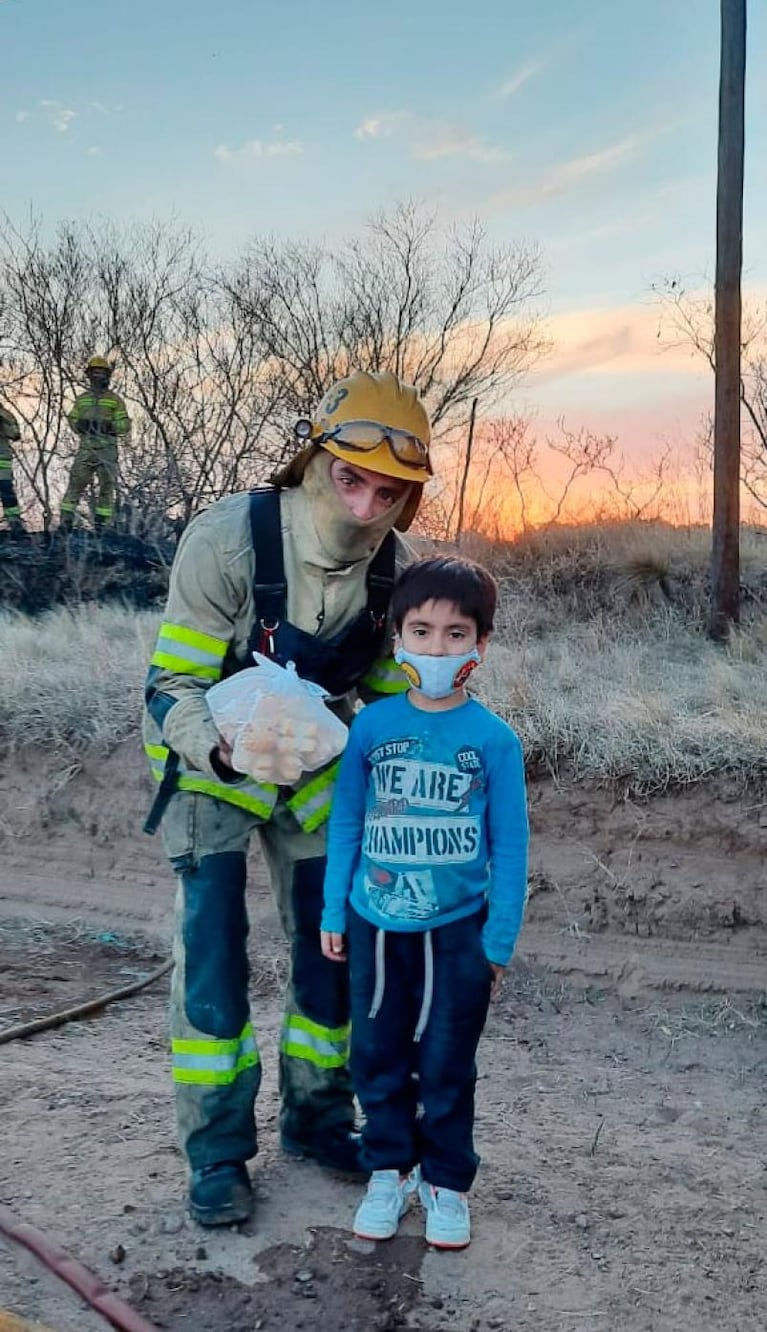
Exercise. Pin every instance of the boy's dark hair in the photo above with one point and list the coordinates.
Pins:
(447, 578)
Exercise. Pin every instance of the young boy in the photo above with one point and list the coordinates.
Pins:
(426, 879)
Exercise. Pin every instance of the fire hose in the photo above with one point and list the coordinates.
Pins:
(90, 1287)
(81, 1010)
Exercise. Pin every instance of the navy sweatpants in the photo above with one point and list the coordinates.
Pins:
(384, 1056)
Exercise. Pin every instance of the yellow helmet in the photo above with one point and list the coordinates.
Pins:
(376, 421)
(99, 363)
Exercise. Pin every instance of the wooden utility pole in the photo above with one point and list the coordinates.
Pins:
(466, 469)
(725, 554)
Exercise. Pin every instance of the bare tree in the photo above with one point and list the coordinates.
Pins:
(43, 296)
(689, 321)
(216, 362)
(203, 399)
(515, 485)
(449, 313)
(194, 369)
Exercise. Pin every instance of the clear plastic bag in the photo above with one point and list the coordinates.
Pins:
(277, 723)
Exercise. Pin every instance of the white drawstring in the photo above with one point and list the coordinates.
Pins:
(380, 981)
(428, 986)
(428, 980)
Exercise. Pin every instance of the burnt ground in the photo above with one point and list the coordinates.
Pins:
(44, 570)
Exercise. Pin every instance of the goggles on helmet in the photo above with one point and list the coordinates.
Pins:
(365, 436)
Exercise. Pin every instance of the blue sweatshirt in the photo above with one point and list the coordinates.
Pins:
(429, 823)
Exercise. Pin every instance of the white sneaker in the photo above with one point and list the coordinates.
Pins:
(448, 1224)
(385, 1203)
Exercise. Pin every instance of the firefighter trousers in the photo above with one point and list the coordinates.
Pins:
(216, 1060)
(96, 457)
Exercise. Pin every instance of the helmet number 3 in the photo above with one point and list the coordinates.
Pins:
(334, 400)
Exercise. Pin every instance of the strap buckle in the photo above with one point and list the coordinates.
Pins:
(267, 637)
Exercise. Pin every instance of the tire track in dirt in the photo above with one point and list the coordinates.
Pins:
(633, 964)
(120, 896)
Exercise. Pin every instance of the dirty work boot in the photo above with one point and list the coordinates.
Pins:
(221, 1195)
(338, 1149)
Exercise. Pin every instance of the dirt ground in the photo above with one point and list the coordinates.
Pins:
(621, 1101)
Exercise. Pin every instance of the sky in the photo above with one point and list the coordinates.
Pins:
(587, 127)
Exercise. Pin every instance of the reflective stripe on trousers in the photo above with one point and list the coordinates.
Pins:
(214, 1063)
(216, 1069)
(325, 1047)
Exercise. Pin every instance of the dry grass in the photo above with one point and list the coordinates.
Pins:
(644, 706)
(608, 678)
(74, 678)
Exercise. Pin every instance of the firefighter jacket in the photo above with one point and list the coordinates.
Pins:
(100, 414)
(209, 619)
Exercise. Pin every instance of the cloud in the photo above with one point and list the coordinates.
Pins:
(256, 149)
(518, 80)
(95, 151)
(21, 116)
(102, 109)
(566, 177)
(382, 126)
(57, 114)
(618, 340)
(435, 141)
(430, 140)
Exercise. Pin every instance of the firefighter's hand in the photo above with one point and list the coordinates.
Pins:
(223, 752)
(333, 946)
(221, 762)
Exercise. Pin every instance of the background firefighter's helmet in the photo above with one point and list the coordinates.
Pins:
(345, 425)
(102, 367)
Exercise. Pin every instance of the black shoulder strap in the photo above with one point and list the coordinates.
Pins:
(270, 591)
(380, 578)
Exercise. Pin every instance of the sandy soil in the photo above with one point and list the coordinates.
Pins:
(621, 1100)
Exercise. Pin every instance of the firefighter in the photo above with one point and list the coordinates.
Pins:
(100, 418)
(9, 434)
(302, 571)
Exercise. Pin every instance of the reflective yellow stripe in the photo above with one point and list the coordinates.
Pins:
(311, 804)
(194, 638)
(235, 795)
(181, 666)
(386, 677)
(214, 1063)
(208, 1077)
(189, 651)
(257, 798)
(325, 1047)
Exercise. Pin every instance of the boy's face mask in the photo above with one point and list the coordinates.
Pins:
(437, 677)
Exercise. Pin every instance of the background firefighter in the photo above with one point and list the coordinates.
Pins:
(100, 418)
(302, 571)
(9, 434)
